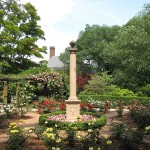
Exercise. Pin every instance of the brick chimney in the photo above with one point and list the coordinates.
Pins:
(52, 51)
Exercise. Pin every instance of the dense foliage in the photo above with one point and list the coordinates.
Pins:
(49, 83)
(19, 32)
(133, 44)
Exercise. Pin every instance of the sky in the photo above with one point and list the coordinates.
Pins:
(62, 20)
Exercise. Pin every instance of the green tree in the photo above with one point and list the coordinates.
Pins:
(19, 33)
(133, 46)
(93, 44)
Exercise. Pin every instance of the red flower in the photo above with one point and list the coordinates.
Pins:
(90, 107)
(45, 102)
(83, 105)
(62, 105)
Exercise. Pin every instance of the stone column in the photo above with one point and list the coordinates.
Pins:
(73, 79)
(72, 104)
(5, 92)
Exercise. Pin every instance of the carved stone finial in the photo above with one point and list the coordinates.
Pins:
(72, 44)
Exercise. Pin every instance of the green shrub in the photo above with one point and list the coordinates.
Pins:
(25, 93)
(144, 90)
(117, 130)
(100, 121)
(147, 132)
(16, 137)
(51, 138)
(75, 139)
(98, 84)
(130, 138)
(113, 90)
(140, 113)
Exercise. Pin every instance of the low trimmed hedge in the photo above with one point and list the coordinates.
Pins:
(126, 99)
(100, 121)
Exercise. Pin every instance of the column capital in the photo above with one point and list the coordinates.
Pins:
(72, 44)
(73, 48)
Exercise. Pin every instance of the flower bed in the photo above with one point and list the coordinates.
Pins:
(95, 120)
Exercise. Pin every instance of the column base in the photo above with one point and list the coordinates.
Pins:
(72, 110)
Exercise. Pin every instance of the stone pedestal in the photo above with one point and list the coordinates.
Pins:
(72, 104)
(72, 110)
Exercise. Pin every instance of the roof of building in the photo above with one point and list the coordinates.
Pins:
(55, 63)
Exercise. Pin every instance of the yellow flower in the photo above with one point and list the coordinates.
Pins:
(12, 124)
(134, 129)
(14, 127)
(79, 117)
(25, 128)
(79, 137)
(14, 131)
(109, 142)
(147, 128)
(50, 136)
(98, 148)
(74, 128)
(89, 123)
(49, 130)
(105, 136)
(22, 121)
(90, 130)
(32, 128)
(90, 148)
(54, 148)
(58, 140)
(44, 133)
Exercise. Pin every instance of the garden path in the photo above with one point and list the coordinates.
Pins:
(32, 118)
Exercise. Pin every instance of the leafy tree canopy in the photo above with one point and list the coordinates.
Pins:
(19, 32)
(91, 44)
(133, 46)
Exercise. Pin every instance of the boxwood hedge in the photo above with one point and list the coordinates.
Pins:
(126, 99)
(98, 123)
